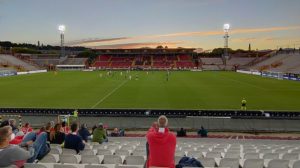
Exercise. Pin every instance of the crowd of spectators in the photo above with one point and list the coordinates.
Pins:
(21, 145)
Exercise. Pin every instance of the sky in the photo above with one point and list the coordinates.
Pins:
(266, 24)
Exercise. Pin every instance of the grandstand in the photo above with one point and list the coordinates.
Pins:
(47, 61)
(281, 62)
(131, 152)
(145, 58)
(16, 63)
(173, 59)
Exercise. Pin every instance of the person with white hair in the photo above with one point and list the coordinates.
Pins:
(30, 151)
(162, 145)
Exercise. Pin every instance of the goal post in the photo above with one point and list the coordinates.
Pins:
(276, 75)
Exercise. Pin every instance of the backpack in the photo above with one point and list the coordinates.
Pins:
(188, 162)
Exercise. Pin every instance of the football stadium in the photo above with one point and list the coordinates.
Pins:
(112, 84)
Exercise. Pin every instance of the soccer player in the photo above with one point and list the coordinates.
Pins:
(243, 107)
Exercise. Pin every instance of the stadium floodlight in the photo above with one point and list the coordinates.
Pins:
(226, 27)
(62, 29)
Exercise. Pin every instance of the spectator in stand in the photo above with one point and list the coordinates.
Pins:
(162, 145)
(181, 133)
(26, 128)
(154, 127)
(15, 140)
(115, 133)
(202, 132)
(65, 129)
(122, 132)
(99, 134)
(12, 123)
(48, 130)
(15, 155)
(84, 132)
(4, 123)
(56, 136)
(52, 123)
(41, 130)
(93, 128)
(73, 141)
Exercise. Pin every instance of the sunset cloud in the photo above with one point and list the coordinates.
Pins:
(96, 40)
(127, 41)
(138, 45)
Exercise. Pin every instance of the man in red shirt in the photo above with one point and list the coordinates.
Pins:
(162, 145)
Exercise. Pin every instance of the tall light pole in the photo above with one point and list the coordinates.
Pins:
(62, 29)
(226, 28)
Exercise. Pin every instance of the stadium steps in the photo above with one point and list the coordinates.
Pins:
(130, 152)
(16, 62)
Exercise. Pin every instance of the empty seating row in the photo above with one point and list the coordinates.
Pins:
(94, 159)
(56, 165)
(109, 161)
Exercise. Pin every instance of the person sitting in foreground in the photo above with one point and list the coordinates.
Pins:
(26, 128)
(15, 140)
(64, 128)
(84, 132)
(154, 127)
(73, 141)
(12, 123)
(99, 134)
(48, 130)
(56, 136)
(41, 130)
(162, 145)
(35, 147)
(181, 133)
(202, 132)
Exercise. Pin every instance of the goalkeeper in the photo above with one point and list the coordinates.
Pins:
(244, 102)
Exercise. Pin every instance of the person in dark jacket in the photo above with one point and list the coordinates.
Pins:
(202, 132)
(12, 123)
(181, 133)
(73, 141)
(56, 136)
(48, 129)
(84, 132)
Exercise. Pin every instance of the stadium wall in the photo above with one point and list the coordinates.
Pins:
(218, 120)
(211, 123)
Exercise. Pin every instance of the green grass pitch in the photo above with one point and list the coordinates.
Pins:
(184, 90)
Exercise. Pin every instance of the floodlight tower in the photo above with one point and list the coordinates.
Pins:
(226, 28)
(62, 29)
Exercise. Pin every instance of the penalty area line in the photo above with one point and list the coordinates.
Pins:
(110, 93)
